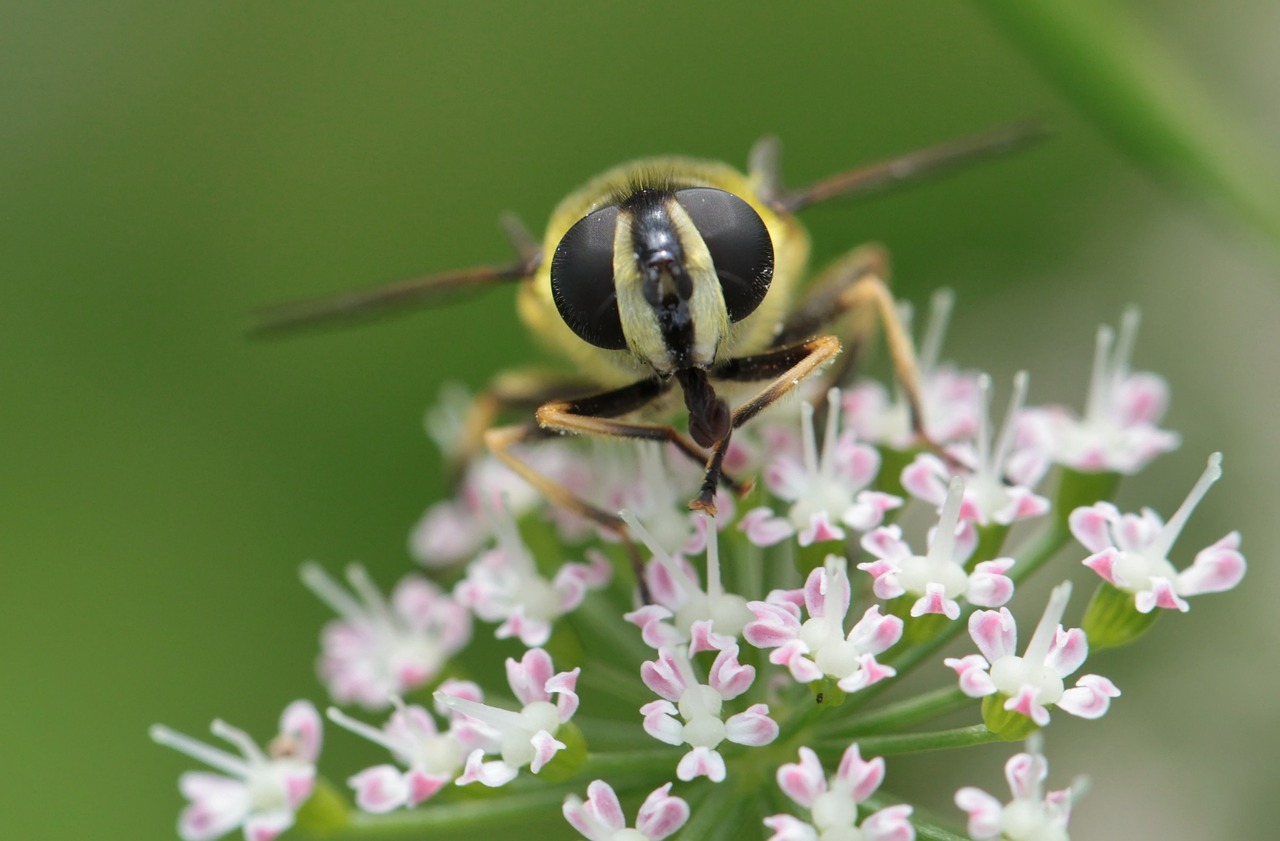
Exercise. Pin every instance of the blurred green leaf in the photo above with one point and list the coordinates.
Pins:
(1145, 100)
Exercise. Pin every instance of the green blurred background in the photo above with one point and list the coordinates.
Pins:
(167, 168)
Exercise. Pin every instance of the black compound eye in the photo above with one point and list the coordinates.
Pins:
(582, 280)
(739, 244)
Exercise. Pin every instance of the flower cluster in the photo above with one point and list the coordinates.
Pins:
(751, 637)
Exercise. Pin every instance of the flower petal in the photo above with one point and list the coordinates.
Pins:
(803, 781)
(380, 789)
(661, 814)
(701, 762)
(751, 727)
(1216, 568)
(1090, 698)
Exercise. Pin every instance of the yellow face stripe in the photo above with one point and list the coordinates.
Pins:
(640, 319)
(707, 307)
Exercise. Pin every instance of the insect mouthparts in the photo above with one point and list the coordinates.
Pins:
(709, 417)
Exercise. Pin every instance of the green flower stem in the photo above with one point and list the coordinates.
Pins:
(601, 625)
(1145, 100)
(933, 832)
(610, 734)
(830, 750)
(488, 813)
(990, 540)
(1112, 618)
(645, 762)
(904, 714)
(801, 718)
(743, 562)
(889, 477)
(1077, 488)
(608, 678)
(709, 816)
(1047, 544)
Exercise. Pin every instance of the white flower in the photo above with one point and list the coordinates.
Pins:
(825, 491)
(819, 646)
(600, 818)
(1130, 551)
(521, 738)
(260, 793)
(937, 578)
(998, 481)
(946, 394)
(503, 585)
(1118, 431)
(833, 802)
(1032, 815)
(379, 649)
(433, 758)
(691, 712)
(1034, 681)
(649, 480)
(679, 601)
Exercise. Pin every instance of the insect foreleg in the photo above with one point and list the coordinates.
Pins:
(854, 287)
(787, 367)
(593, 415)
(590, 416)
(512, 391)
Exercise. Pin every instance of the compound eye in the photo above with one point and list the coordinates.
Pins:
(582, 280)
(739, 244)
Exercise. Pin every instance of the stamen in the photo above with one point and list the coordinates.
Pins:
(1161, 545)
(680, 655)
(827, 462)
(1038, 648)
(807, 439)
(675, 570)
(1124, 346)
(239, 738)
(714, 587)
(207, 754)
(1038, 771)
(652, 470)
(936, 330)
(1100, 380)
(360, 728)
(943, 547)
(507, 533)
(362, 584)
(315, 579)
(493, 716)
(1007, 432)
(984, 422)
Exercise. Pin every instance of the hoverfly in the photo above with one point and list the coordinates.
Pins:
(674, 275)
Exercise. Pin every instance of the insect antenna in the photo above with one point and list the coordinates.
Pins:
(381, 301)
(913, 166)
(401, 295)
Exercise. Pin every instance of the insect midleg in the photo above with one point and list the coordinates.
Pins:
(595, 416)
(592, 415)
(787, 366)
(519, 391)
(854, 286)
(821, 304)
